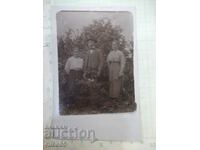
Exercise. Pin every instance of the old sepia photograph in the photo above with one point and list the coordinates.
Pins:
(95, 51)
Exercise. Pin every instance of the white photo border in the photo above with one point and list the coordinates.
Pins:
(113, 126)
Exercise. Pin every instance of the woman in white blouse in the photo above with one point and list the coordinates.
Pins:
(73, 68)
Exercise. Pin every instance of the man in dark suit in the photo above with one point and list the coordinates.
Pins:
(93, 61)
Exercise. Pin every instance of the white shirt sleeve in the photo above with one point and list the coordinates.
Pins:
(67, 66)
(122, 61)
(81, 63)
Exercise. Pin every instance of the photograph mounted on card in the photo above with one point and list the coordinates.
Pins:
(95, 72)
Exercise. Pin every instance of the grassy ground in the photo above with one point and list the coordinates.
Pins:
(93, 98)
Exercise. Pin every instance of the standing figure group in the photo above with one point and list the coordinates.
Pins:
(91, 67)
